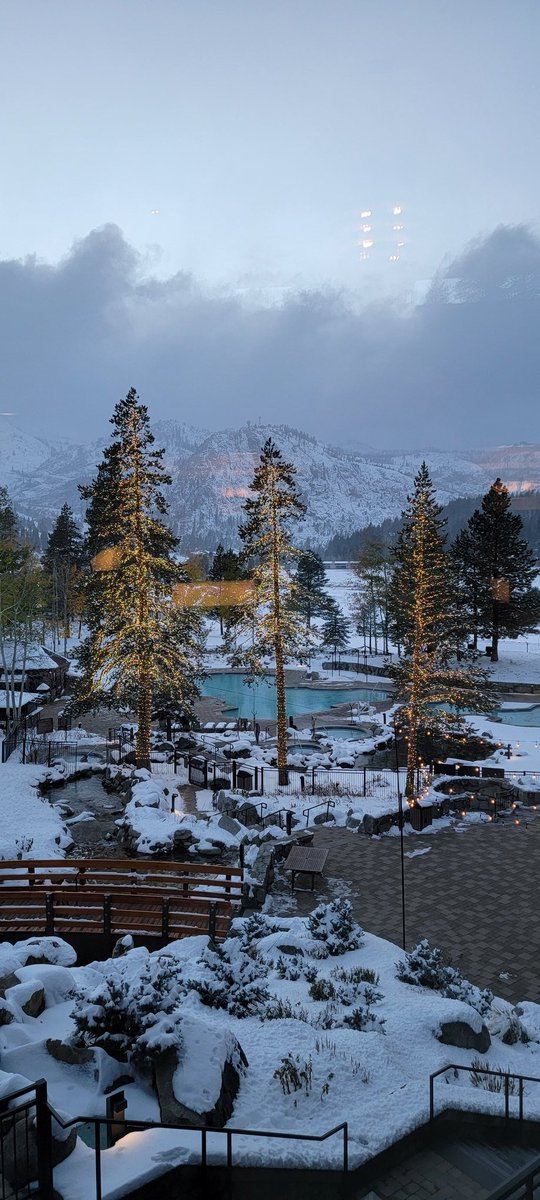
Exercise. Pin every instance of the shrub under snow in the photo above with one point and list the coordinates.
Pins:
(425, 967)
(333, 925)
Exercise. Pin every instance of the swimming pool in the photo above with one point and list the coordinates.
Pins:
(259, 699)
(526, 715)
(346, 732)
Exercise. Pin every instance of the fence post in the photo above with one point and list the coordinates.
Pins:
(44, 1142)
(288, 822)
(506, 1096)
(261, 791)
(165, 909)
(212, 913)
(205, 772)
(256, 781)
(365, 777)
(49, 754)
(313, 780)
(107, 905)
(234, 770)
(49, 914)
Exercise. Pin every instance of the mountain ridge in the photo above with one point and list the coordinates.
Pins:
(344, 489)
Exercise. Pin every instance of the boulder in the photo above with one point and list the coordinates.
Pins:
(123, 946)
(8, 981)
(463, 1035)
(204, 1096)
(30, 997)
(20, 1155)
(6, 1013)
(231, 825)
(72, 1056)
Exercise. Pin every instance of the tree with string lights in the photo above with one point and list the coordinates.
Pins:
(271, 626)
(423, 598)
(143, 650)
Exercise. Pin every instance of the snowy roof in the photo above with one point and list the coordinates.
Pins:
(37, 658)
(26, 698)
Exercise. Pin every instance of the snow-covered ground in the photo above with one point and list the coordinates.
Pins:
(29, 826)
(325, 1025)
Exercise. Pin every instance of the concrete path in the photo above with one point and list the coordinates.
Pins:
(475, 894)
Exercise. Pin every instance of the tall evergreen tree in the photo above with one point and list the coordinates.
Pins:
(270, 623)
(371, 594)
(423, 599)
(336, 629)
(143, 650)
(62, 563)
(497, 566)
(227, 567)
(311, 597)
(21, 606)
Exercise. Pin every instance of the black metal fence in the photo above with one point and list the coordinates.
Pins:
(46, 752)
(26, 1145)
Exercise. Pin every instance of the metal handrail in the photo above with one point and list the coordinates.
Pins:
(204, 1130)
(328, 804)
(527, 1178)
(506, 1075)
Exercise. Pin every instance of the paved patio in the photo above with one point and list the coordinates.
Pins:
(476, 894)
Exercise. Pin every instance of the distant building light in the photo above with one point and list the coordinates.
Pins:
(397, 210)
(396, 228)
(366, 212)
(367, 244)
(367, 228)
(393, 258)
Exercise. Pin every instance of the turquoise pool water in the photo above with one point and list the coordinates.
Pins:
(345, 732)
(510, 716)
(260, 698)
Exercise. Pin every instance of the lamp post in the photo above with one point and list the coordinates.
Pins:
(401, 847)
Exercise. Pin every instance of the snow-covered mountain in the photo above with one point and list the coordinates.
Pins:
(344, 489)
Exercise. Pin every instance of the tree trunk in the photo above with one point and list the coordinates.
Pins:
(144, 720)
(495, 632)
(281, 702)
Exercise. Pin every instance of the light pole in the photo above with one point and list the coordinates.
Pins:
(401, 848)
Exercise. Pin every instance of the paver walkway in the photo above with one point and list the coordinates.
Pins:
(476, 894)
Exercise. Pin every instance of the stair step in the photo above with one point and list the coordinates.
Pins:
(488, 1163)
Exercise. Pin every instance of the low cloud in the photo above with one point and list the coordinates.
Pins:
(462, 369)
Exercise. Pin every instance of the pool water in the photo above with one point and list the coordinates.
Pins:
(509, 716)
(346, 732)
(259, 699)
(519, 716)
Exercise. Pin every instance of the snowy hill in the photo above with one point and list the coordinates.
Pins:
(344, 489)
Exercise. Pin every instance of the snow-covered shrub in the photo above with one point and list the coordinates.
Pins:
(355, 975)
(425, 967)
(507, 1025)
(322, 989)
(228, 978)
(279, 1009)
(131, 1019)
(288, 970)
(364, 1020)
(333, 926)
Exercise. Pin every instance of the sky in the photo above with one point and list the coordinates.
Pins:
(180, 210)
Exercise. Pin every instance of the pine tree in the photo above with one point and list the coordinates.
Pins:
(336, 629)
(21, 606)
(62, 563)
(371, 594)
(495, 561)
(142, 649)
(311, 598)
(424, 608)
(270, 623)
(226, 567)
